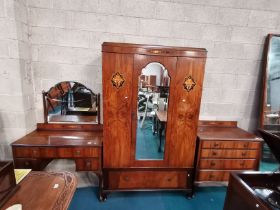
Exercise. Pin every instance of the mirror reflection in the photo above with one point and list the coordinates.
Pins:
(71, 102)
(272, 109)
(153, 94)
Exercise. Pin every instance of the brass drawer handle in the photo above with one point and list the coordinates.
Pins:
(169, 179)
(212, 164)
(242, 163)
(126, 178)
(78, 152)
(26, 163)
(216, 144)
(88, 163)
(246, 145)
(243, 154)
(214, 153)
(211, 176)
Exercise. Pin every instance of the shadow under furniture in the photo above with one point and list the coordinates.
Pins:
(80, 140)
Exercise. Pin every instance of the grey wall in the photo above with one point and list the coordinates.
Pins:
(17, 110)
(64, 37)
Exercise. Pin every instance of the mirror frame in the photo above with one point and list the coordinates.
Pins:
(265, 77)
(45, 101)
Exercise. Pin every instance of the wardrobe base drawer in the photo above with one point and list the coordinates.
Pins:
(147, 179)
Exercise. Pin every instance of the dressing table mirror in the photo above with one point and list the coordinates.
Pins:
(71, 102)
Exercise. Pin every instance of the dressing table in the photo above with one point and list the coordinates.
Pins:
(80, 141)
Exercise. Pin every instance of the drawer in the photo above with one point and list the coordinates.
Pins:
(78, 152)
(34, 152)
(26, 152)
(223, 153)
(227, 164)
(230, 144)
(147, 179)
(89, 164)
(213, 175)
(31, 163)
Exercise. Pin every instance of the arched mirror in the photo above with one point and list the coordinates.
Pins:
(71, 102)
(270, 116)
(270, 112)
(153, 95)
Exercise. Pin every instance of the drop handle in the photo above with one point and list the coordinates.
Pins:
(88, 163)
(78, 152)
(216, 144)
(214, 153)
(126, 178)
(243, 154)
(212, 164)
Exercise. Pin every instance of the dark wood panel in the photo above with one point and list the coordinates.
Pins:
(230, 144)
(37, 191)
(142, 49)
(217, 123)
(213, 175)
(147, 179)
(34, 164)
(69, 127)
(47, 138)
(223, 153)
(184, 120)
(227, 164)
(117, 110)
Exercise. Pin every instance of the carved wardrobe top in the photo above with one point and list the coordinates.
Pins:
(143, 49)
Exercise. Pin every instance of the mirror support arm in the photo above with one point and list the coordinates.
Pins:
(45, 107)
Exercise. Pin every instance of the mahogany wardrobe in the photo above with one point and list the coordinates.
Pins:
(151, 102)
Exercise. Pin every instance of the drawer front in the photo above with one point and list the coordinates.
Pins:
(26, 152)
(223, 153)
(219, 176)
(89, 164)
(78, 152)
(230, 144)
(228, 164)
(147, 179)
(31, 163)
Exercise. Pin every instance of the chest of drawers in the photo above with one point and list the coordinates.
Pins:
(223, 147)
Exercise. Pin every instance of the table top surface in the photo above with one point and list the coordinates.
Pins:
(61, 138)
(225, 133)
(44, 190)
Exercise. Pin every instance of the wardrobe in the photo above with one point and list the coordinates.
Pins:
(150, 146)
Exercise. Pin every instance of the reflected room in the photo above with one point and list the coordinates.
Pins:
(153, 95)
